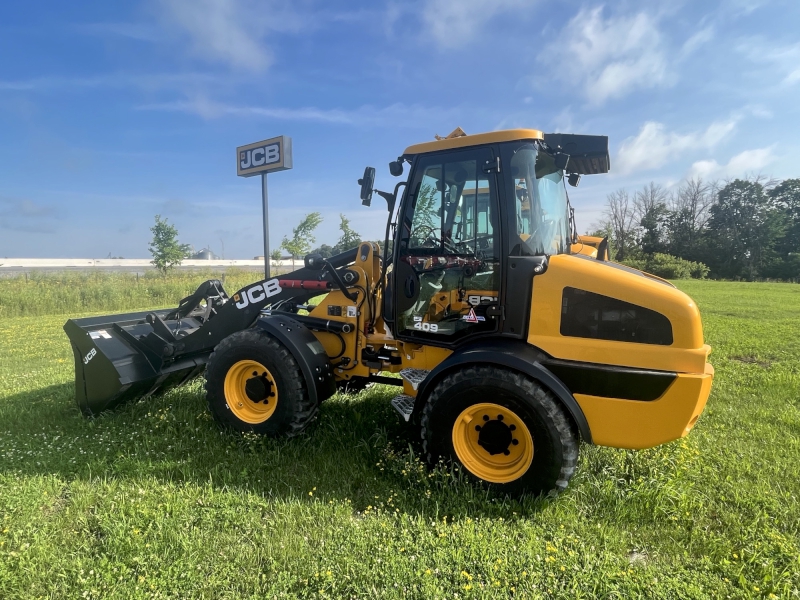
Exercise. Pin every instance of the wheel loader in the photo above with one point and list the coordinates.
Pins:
(514, 338)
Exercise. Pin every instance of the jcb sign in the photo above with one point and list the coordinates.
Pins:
(266, 156)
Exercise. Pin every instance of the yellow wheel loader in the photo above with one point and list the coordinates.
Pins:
(514, 338)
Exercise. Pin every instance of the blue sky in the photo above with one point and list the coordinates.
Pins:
(113, 112)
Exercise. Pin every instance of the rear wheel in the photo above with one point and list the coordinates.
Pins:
(254, 384)
(503, 428)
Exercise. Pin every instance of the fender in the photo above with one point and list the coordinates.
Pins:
(306, 350)
(517, 356)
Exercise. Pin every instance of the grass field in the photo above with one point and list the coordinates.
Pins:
(73, 292)
(154, 501)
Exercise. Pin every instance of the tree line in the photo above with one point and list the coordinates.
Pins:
(744, 229)
(303, 238)
(168, 252)
(736, 229)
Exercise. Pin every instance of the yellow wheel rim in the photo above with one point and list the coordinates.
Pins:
(493, 443)
(251, 391)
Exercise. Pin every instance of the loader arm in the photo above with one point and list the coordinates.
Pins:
(134, 355)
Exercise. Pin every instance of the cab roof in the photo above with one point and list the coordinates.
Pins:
(464, 141)
(588, 154)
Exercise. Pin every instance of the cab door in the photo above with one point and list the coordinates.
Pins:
(447, 271)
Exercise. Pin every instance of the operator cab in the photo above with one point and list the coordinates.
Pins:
(477, 220)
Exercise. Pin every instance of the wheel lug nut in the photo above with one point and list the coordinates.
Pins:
(485, 417)
(477, 427)
(506, 452)
(499, 417)
(515, 442)
(512, 427)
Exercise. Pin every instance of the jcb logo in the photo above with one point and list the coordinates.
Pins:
(257, 157)
(476, 300)
(266, 156)
(257, 293)
(89, 356)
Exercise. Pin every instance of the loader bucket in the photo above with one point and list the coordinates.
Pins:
(114, 362)
(125, 357)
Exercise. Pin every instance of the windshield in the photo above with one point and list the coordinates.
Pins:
(542, 212)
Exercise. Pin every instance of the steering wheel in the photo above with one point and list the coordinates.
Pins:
(427, 233)
(465, 246)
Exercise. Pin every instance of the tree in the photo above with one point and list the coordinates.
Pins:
(744, 227)
(325, 250)
(787, 197)
(302, 236)
(167, 252)
(275, 256)
(621, 216)
(349, 238)
(650, 205)
(688, 214)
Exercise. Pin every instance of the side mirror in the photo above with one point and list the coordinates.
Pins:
(396, 168)
(367, 183)
(561, 160)
(574, 179)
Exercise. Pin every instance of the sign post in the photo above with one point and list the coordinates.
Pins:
(274, 154)
(265, 207)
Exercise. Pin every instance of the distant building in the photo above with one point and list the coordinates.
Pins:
(205, 254)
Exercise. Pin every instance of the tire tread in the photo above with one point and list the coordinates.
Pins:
(306, 409)
(484, 375)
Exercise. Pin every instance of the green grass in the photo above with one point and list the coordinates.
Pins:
(105, 292)
(154, 501)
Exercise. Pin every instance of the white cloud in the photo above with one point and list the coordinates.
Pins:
(362, 116)
(611, 56)
(230, 31)
(654, 146)
(208, 109)
(17, 86)
(703, 36)
(783, 58)
(145, 81)
(741, 8)
(744, 163)
(453, 23)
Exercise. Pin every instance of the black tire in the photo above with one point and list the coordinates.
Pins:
(555, 443)
(293, 411)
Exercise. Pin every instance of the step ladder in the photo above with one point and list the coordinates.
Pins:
(403, 403)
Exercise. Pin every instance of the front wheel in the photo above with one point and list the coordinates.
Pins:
(254, 384)
(503, 428)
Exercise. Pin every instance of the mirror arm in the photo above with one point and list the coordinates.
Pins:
(397, 189)
(389, 197)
